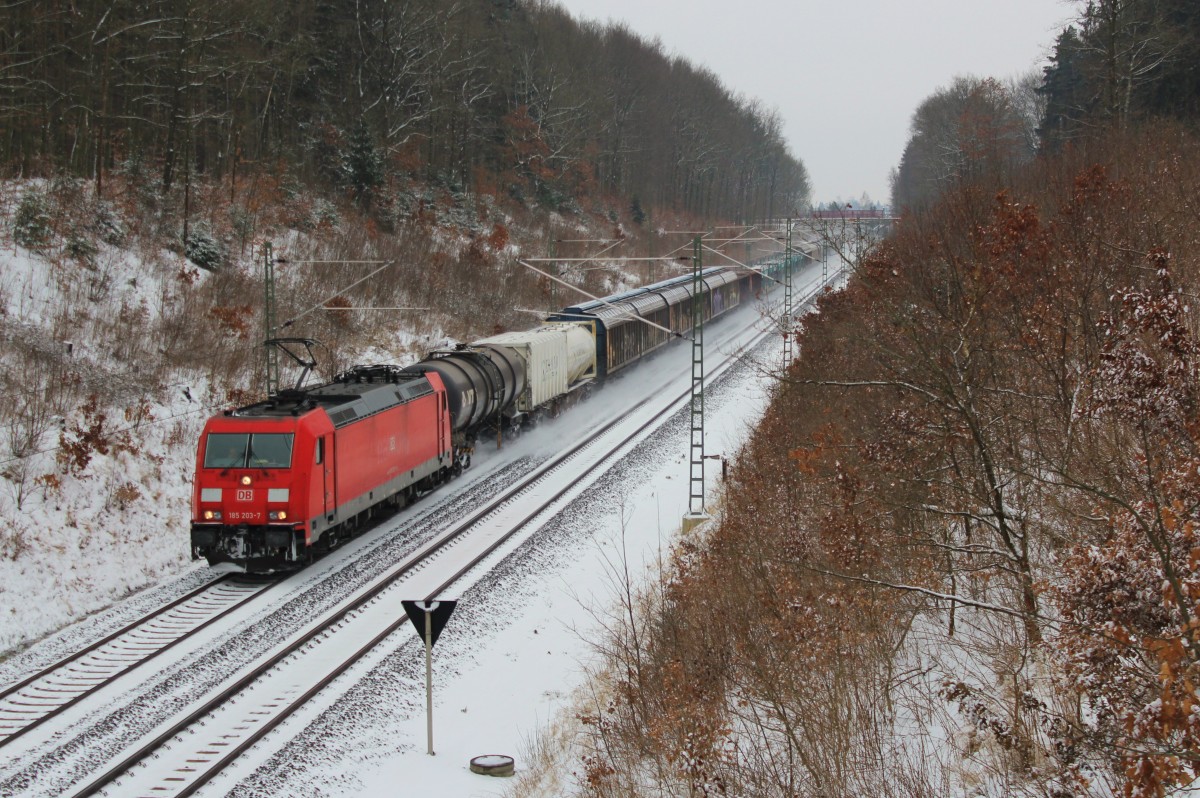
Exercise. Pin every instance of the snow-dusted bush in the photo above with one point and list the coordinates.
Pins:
(32, 222)
(81, 247)
(203, 249)
(108, 225)
(325, 214)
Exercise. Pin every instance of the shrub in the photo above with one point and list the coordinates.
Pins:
(242, 221)
(203, 249)
(636, 212)
(125, 495)
(325, 214)
(81, 247)
(108, 224)
(31, 227)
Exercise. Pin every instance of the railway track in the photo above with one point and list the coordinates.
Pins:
(187, 750)
(41, 696)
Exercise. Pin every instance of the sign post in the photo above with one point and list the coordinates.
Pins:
(436, 614)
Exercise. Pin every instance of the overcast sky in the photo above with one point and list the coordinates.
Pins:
(846, 75)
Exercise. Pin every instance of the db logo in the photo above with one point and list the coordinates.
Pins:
(245, 495)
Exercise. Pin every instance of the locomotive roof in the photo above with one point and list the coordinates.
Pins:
(352, 396)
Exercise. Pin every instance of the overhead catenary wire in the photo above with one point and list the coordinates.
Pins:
(333, 309)
(669, 258)
(657, 259)
(328, 262)
(556, 279)
(735, 261)
(321, 304)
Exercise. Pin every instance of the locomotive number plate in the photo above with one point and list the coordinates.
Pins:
(245, 495)
(243, 516)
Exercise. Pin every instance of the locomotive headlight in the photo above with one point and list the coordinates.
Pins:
(212, 515)
(246, 479)
(277, 515)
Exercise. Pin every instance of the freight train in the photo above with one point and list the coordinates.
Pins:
(286, 479)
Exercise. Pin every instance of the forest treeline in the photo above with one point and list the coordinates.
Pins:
(961, 553)
(508, 97)
(1121, 63)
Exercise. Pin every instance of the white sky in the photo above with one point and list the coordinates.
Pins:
(846, 76)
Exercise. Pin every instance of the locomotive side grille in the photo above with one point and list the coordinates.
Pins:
(343, 416)
(414, 389)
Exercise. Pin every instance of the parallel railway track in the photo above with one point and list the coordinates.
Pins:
(41, 696)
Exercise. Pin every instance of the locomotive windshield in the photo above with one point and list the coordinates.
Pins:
(241, 450)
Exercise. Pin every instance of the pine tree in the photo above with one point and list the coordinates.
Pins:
(636, 211)
(364, 168)
(1065, 90)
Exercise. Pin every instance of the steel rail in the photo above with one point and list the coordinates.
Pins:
(79, 689)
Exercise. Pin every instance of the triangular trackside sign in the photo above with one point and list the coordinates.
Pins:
(439, 612)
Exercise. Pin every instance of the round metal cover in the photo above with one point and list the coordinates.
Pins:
(493, 765)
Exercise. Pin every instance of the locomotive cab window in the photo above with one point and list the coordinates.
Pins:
(239, 450)
(270, 450)
(225, 450)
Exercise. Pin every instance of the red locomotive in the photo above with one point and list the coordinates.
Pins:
(281, 480)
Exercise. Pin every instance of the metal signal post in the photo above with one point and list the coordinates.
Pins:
(435, 613)
(429, 681)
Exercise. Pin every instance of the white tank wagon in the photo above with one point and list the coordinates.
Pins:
(559, 358)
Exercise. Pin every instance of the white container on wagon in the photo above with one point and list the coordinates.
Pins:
(558, 357)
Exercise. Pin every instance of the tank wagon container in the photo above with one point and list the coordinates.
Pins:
(558, 358)
(481, 381)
